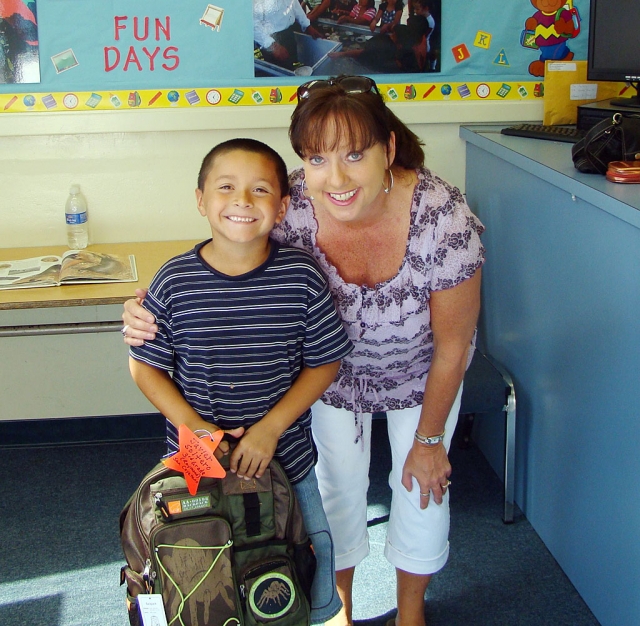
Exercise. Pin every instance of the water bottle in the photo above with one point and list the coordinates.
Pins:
(76, 217)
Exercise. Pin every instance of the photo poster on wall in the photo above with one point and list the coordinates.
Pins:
(66, 55)
(19, 59)
(337, 37)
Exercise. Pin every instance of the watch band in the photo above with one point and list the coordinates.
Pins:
(428, 441)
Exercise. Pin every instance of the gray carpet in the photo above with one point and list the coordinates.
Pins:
(61, 557)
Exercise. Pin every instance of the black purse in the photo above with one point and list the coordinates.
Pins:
(616, 138)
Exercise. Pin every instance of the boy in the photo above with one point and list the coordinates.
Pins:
(413, 39)
(250, 332)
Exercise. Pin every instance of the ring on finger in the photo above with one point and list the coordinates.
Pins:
(426, 495)
(124, 330)
(446, 485)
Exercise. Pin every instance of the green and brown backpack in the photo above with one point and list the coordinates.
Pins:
(236, 552)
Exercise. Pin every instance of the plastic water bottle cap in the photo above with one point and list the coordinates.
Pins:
(74, 189)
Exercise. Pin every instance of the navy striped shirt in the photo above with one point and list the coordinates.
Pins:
(236, 344)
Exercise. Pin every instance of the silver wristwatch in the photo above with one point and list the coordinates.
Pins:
(428, 441)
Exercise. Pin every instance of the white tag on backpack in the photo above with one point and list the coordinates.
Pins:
(151, 609)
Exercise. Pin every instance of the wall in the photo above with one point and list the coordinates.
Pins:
(70, 62)
(66, 375)
(138, 170)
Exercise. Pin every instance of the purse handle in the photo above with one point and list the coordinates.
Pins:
(601, 128)
(580, 149)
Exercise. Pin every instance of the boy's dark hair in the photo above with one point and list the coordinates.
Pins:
(247, 145)
(362, 119)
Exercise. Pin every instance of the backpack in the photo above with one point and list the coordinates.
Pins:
(235, 553)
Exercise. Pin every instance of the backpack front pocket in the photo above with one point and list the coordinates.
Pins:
(272, 593)
(192, 559)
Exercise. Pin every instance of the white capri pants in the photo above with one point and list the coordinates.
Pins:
(417, 539)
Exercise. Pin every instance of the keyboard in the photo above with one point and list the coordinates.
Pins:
(568, 134)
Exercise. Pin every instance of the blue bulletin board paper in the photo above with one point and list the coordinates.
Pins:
(141, 44)
(118, 54)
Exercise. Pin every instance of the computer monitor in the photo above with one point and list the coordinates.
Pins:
(614, 52)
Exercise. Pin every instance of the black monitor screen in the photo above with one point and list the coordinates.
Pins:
(614, 50)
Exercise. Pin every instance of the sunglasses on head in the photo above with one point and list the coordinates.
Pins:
(350, 84)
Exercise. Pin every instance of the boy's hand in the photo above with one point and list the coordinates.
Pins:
(254, 452)
(223, 448)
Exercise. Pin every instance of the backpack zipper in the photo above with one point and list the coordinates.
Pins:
(162, 505)
(148, 576)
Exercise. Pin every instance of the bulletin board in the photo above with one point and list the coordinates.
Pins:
(73, 55)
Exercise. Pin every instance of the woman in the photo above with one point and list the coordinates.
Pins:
(402, 254)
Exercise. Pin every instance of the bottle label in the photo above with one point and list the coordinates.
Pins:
(76, 218)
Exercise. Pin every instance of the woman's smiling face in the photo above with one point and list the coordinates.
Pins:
(347, 181)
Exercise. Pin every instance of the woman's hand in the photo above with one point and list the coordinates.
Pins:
(430, 466)
(138, 322)
(454, 313)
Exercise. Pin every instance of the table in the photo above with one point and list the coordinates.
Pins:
(149, 257)
(61, 354)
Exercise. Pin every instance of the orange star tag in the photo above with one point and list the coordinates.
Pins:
(195, 457)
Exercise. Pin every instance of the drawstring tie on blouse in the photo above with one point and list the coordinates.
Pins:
(359, 388)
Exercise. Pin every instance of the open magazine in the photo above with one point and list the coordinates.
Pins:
(73, 267)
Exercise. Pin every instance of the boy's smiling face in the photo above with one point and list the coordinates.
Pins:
(242, 198)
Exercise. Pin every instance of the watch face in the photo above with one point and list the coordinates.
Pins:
(70, 101)
(213, 96)
(482, 90)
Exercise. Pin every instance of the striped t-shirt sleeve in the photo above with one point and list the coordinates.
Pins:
(326, 340)
(159, 352)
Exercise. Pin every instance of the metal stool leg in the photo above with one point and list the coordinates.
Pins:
(509, 459)
(509, 444)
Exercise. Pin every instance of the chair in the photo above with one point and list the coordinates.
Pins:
(488, 387)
